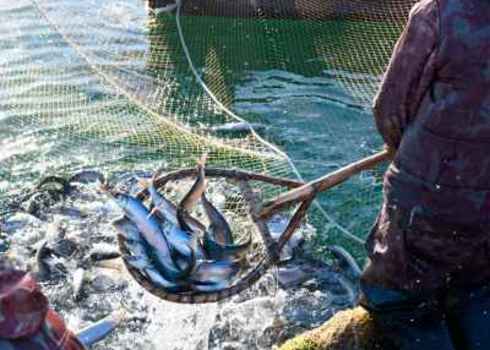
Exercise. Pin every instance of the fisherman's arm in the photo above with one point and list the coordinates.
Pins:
(409, 73)
(26, 321)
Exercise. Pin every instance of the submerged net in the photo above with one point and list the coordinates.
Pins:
(118, 87)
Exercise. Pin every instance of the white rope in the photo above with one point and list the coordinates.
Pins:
(250, 127)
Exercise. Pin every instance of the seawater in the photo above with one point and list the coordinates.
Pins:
(48, 88)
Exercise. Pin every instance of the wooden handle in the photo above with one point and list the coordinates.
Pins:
(310, 189)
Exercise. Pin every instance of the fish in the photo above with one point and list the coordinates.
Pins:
(182, 256)
(183, 261)
(237, 127)
(152, 234)
(209, 292)
(166, 210)
(182, 253)
(183, 238)
(127, 229)
(193, 196)
(78, 279)
(138, 262)
(349, 288)
(210, 287)
(346, 260)
(162, 206)
(103, 252)
(219, 228)
(213, 272)
(101, 329)
(136, 248)
(87, 176)
(162, 282)
(217, 251)
(43, 269)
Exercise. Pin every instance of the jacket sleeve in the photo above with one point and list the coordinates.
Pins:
(23, 307)
(409, 73)
(26, 321)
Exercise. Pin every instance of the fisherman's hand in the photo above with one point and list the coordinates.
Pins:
(391, 151)
(391, 131)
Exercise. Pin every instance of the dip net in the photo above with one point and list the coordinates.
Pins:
(120, 87)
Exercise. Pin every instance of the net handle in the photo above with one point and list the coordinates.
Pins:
(311, 189)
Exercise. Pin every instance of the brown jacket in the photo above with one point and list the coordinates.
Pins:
(434, 106)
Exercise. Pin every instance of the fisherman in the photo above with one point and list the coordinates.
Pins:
(26, 320)
(427, 281)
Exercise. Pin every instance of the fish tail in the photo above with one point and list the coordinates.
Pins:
(99, 330)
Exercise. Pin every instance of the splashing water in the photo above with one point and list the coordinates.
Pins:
(105, 85)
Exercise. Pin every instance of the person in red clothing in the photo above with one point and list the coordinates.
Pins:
(26, 320)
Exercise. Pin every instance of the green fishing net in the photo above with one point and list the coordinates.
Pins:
(119, 86)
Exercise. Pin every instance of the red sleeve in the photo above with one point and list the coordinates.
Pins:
(23, 307)
(26, 321)
(409, 73)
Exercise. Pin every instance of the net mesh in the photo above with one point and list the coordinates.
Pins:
(119, 87)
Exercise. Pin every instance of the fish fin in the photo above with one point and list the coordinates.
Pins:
(152, 212)
(144, 183)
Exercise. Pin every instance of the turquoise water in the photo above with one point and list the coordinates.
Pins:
(321, 129)
(82, 82)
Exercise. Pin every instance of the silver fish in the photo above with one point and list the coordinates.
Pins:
(139, 262)
(346, 260)
(136, 248)
(237, 127)
(219, 228)
(87, 176)
(182, 238)
(149, 228)
(193, 196)
(217, 251)
(103, 253)
(166, 210)
(161, 281)
(213, 272)
(183, 257)
(78, 280)
(127, 229)
(162, 206)
(43, 270)
(210, 287)
(100, 329)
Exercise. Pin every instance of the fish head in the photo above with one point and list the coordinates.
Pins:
(122, 199)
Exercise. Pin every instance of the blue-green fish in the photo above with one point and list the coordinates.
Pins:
(193, 196)
(101, 329)
(219, 228)
(213, 272)
(166, 210)
(217, 251)
(151, 231)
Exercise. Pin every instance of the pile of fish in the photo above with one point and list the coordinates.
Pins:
(173, 250)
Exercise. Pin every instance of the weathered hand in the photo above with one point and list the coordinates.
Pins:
(391, 151)
(391, 131)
